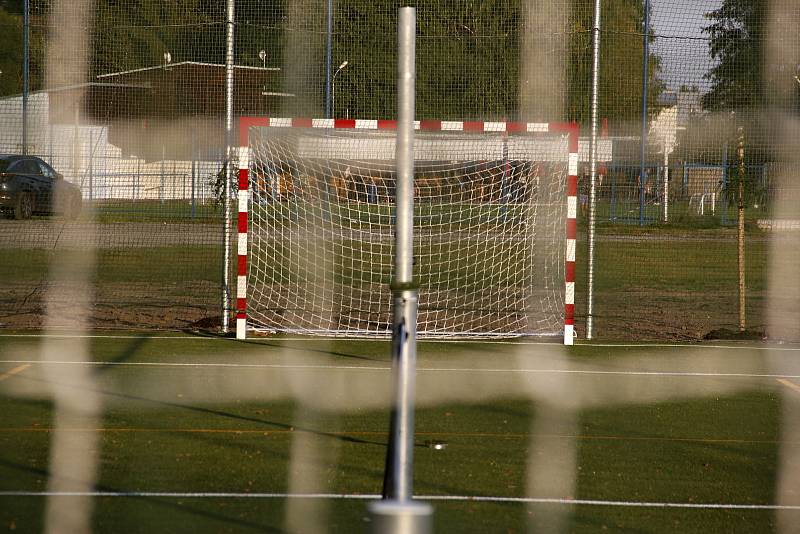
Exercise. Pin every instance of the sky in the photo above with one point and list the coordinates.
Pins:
(681, 44)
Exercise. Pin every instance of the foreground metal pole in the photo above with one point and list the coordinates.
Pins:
(226, 239)
(593, 167)
(397, 513)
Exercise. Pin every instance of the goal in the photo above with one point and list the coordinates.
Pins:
(494, 227)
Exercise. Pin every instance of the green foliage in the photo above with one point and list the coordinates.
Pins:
(136, 34)
(468, 53)
(11, 45)
(217, 184)
(736, 43)
(12, 6)
(745, 77)
(621, 66)
(11, 60)
(468, 59)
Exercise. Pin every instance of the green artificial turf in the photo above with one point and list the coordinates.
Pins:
(157, 435)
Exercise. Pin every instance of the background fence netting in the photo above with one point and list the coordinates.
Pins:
(697, 102)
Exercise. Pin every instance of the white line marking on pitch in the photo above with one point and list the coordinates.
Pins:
(688, 345)
(419, 369)
(14, 371)
(476, 498)
(789, 384)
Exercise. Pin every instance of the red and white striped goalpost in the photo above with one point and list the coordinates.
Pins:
(570, 129)
(241, 229)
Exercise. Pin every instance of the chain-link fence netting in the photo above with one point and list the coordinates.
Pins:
(686, 208)
(695, 100)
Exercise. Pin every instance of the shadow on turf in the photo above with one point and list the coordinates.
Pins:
(154, 500)
(264, 342)
(219, 413)
(127, 354)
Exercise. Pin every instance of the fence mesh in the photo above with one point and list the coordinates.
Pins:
(115, 183)
(142, 133)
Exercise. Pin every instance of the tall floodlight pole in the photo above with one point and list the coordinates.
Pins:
(593, 166)
(328, 56)
(398, 513)
(226, 239)
(333, 87)
(26, 29)
(645, 69)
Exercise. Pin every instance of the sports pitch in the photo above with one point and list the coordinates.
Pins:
(190, 433)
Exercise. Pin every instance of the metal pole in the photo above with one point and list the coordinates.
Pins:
(593, 167)
(163, 178)
(194, 166)
(666, 182)
(76, 145)
(724, 189)
(226, 261)
(138, 178)
(505, 179)
(645, 73)
(91, 168)
(26, 27)
(333, 88)
(403, 287)
(613, 207)
(328, 59)
(397, 513)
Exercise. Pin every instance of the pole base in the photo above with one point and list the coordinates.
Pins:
(400, 517)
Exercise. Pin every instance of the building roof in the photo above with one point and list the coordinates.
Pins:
(181, 64)
(191, 88)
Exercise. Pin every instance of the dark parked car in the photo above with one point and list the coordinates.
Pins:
(28, 185)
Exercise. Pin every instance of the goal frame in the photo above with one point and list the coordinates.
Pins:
(570, 129)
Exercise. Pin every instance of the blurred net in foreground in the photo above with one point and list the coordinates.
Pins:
(622, 435)
(561, 388)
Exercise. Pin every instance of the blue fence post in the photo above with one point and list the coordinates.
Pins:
(194, 168)
(643, 139)
(613, 202)
(724, 199)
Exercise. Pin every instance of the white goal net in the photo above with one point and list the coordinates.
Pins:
(489, 228)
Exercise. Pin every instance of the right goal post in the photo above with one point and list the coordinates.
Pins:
(495, 227)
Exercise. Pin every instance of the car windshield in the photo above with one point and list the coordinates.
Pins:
(3, 165)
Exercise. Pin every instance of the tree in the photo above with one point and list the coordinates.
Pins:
(137, 33)
(469, 54)
(621, 59)
(744, 77)
(11, 61)
(736, 43)
(12, 6)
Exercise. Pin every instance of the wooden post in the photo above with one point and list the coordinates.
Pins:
(740, 228)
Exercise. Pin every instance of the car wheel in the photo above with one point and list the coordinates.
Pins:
(24, 207)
